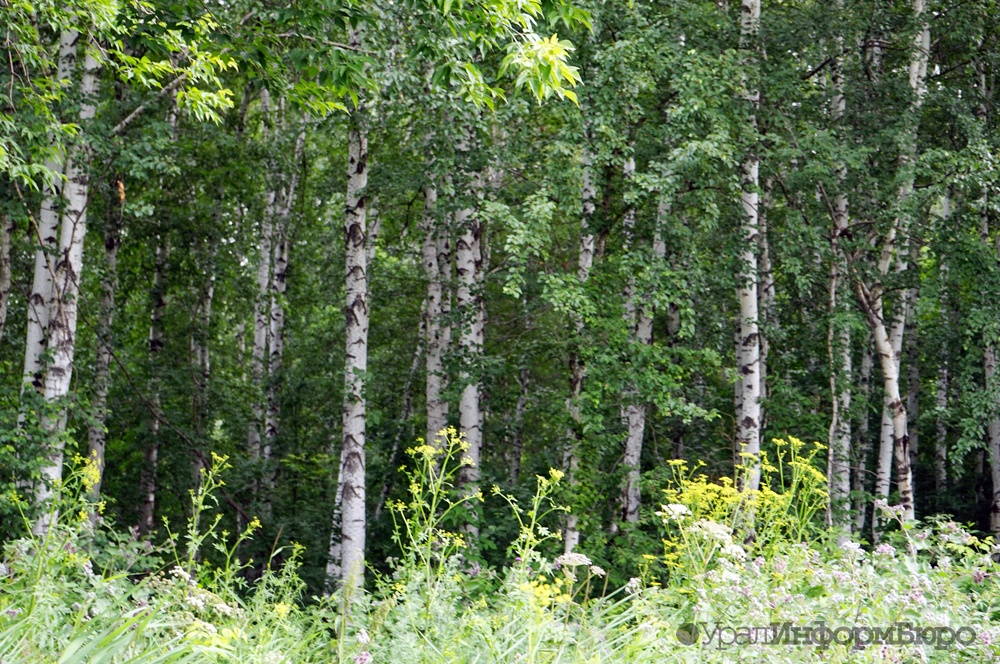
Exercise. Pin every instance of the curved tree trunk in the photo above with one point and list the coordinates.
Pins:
(888, 343)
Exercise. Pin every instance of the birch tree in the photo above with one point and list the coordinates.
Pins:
(436, 260)
(6, 235)
(888, 341)
(63, 305)
(584, 265)
(347, 548)
(748, 415)
(469, 275)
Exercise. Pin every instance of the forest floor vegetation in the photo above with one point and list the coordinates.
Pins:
(741, 577)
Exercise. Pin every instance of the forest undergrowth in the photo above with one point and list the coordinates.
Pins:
(741, 576)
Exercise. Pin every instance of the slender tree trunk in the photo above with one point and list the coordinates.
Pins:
(913, 367)
(151, 451)
(47, 238)
(347, 548)
(260, 329)
(993, 438)
(990, 370)
(102, 367)
(748, 348)
(276, 329)
(839, 455)
(436, 257)
(941, 429)
(635, 412)
(767, 307)
(517, 447)
(406, 414)
(201, 346)
(258, 356)
(839, 335)
(6, 235)
(469, 298)
(158, 306)
(585, 262)
(888, 343)
(860, 481)
(64, 303)
(894, 410)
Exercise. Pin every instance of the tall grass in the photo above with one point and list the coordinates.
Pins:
(81, 593)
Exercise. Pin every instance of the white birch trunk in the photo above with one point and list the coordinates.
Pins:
(517, 446)
(347, 549)
(469, 299)
(839, 452)
(258, 354)
(276, 325)
(6, 235)
(64, 302)
(436, 259)
(941, 431)
(888, 344)
(839, 339)
(201, 347)
(894, 410)
(158, 305)
(635, 412)
(47, 240)
(913, 363)
(585, 262)
(151, 451)
(748, 347)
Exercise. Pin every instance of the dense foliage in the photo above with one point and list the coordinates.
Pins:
(643, 244)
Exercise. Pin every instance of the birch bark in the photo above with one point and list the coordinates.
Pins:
(436, 259)
(635, 412)
(276, 324)
(859, 483)
(888, 343)
(6, 235)
(64, 301)
(47, 237)
(469, 299)
(941, 431)
(748, 346)
(258, 354)
(347, 549)
(585, 262)
(151, 451)
(839, 336)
